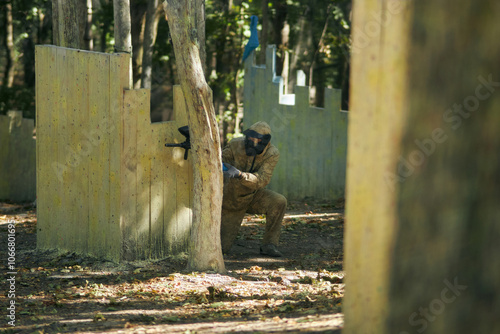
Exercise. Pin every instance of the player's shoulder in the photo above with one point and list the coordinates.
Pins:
(237, 142)
(272, 150)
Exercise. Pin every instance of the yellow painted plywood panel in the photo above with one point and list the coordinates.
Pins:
(184, 176)
(128, 172)
(120, 80)
(68, 149)
(158, 151)
(143, 208)
(78, 201)
(170, 188)
(60, 177)
(4, 153)
(45, 63)
(100, 125)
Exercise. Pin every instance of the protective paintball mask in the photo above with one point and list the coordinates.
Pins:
(255, 143)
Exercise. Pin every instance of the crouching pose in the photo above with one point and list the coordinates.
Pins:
(250, 161)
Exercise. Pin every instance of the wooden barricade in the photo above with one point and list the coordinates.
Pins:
(17, 158)
(312, 141)
(106, 183)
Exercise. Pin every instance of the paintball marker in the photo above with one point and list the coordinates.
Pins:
(184, 130)
(186, 145)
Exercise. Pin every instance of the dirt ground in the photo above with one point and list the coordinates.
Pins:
(302, 292)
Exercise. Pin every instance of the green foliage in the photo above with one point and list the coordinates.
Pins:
(102, 26)
(318, 39)
(18, 98)
(30, 20)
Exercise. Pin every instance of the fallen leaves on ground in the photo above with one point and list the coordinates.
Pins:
(68, 292)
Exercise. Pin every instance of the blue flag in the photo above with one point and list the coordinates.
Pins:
(253, 43)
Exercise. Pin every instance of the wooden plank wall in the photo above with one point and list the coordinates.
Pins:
(157, 187)
(79, 100)
(106, 183)
(17, 158)
(312, 141)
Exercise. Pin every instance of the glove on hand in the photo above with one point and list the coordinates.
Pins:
(232, 171)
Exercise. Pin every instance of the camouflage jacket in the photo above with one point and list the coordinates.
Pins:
(238, 193)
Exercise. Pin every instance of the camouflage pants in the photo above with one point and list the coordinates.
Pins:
(265, 201)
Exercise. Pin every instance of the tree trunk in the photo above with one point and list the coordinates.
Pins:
(28, 63)
(65, 23)
(103, 6)
(303, 43)
(8, 79)
(223, 66)
(88, 38)
(205, 252)
(279, 20)
(123, 37)
(200, 28)
(151, 28)
(446, 262)
(285, 73)
(319, 97)
(422, 254)
(138, 11)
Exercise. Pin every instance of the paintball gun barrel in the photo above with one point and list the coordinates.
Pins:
(186, 145)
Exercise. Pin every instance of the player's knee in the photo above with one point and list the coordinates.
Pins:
(281, 201)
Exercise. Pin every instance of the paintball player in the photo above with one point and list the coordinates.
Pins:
(250, 161)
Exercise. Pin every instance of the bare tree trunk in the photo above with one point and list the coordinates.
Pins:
(445, 272)
(319, 48)
(88, 38)
(123, 37)
(28, 63)
(205, 252)
(65, 24)
(200, 28)
(285, 73)
(422, 256)
(103, 5)
(152, 18)
(303, 42)
(8, 79)
(138, 11)
(279, 20)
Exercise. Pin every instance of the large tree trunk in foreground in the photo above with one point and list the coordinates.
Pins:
(446, 261)
(205, 252)
(422, 247)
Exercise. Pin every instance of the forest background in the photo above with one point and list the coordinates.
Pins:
(312, 36)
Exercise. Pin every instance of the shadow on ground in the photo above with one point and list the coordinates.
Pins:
(300, 292)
